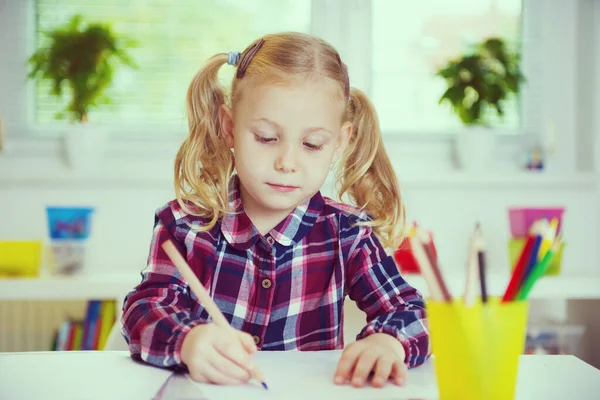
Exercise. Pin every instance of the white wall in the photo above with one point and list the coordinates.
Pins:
(124, 217)
(130, 188)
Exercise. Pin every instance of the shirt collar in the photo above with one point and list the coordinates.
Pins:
(240, 232)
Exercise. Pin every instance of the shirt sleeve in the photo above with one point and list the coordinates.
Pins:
(391, 304)
(158, 312)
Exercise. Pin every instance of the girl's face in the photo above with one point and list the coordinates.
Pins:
(285, 140)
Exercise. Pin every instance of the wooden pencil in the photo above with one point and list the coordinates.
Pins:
(427, 243)
(426, 269)
(202, 294)
(479, 244)
(471, 271)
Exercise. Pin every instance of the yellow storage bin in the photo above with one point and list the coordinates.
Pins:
(20, 258)
(515, 246)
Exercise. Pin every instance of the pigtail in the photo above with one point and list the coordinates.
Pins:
(366, 174)
(204, 164)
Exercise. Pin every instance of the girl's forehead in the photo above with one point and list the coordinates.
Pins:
(318, 85)
(299, 93)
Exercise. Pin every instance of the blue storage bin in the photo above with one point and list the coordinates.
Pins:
(72, 223)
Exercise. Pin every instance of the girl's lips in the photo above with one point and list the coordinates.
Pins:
(282, 188)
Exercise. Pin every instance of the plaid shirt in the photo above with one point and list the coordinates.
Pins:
(286, 288)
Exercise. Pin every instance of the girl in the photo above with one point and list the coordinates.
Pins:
(277, 257)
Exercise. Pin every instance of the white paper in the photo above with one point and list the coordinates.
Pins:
(309, 376)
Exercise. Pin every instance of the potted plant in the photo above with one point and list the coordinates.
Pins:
(478, 83)
(80, 59)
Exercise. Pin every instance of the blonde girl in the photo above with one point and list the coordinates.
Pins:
(277, 257)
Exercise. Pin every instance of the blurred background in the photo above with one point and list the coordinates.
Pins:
(488, 108)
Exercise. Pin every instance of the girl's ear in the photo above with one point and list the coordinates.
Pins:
(226, 123)
(343, 139)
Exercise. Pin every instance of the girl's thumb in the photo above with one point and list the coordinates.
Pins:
(247, 342)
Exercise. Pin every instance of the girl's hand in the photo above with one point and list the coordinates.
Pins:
(218, 355)
(380, 354)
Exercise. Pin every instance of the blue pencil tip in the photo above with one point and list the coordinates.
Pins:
(264, 385)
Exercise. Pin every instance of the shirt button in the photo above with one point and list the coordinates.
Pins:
(270, 240)
(256, 340)
(266, 283)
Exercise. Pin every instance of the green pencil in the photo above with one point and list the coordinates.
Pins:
(539, 269)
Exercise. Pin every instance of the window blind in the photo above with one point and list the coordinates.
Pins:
(174, 39)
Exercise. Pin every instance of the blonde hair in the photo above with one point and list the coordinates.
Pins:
(204, 164)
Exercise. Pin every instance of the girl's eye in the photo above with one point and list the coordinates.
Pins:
(313, 146)
(264, 139)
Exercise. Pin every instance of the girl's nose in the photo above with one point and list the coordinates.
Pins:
(286, 160)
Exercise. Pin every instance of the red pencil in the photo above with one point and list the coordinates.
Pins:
(517, 276)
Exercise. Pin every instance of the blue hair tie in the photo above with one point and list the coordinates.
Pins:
(233, 57)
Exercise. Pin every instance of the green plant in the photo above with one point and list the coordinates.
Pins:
(80, 58)
(481, 80)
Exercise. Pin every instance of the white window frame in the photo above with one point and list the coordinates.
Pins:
(350, 31)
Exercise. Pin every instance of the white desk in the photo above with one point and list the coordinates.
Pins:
(113, 376)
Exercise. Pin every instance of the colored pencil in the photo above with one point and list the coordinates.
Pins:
(533, 260)
(201, 293)
(479, 244)
(472, 274)
(519, 269)
(548, 238)
(539, 269)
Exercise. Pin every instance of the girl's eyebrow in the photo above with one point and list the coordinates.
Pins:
(269, 122)
(318, 129)
(280, 128)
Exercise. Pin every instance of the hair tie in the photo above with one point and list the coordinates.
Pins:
(233, 57)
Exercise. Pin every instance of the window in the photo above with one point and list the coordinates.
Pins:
(411, 40)
(174, 39)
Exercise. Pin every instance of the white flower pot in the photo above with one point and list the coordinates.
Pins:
(475, 147)
(85, 145)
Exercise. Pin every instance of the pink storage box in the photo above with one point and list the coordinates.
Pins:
(522, 218)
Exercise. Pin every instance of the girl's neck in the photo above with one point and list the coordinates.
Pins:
(264, 219)
(265, 222)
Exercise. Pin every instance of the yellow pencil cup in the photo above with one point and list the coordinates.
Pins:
(477, 348)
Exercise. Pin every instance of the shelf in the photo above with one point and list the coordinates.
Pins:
(159, 175)
(551, 287)
(117, 286)
(499, 180)
(68, 288)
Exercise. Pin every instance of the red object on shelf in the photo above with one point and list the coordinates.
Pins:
(406, 260)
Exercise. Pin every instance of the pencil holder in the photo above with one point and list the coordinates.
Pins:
(477, 348)
(521, 219)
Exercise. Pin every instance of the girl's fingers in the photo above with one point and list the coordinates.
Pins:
(398, 374)
(211, 371)
(346, 364)
(234, 350)
(364, 366)
(383, 369)
(197, 374)
(247, 342)
(226, 366)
